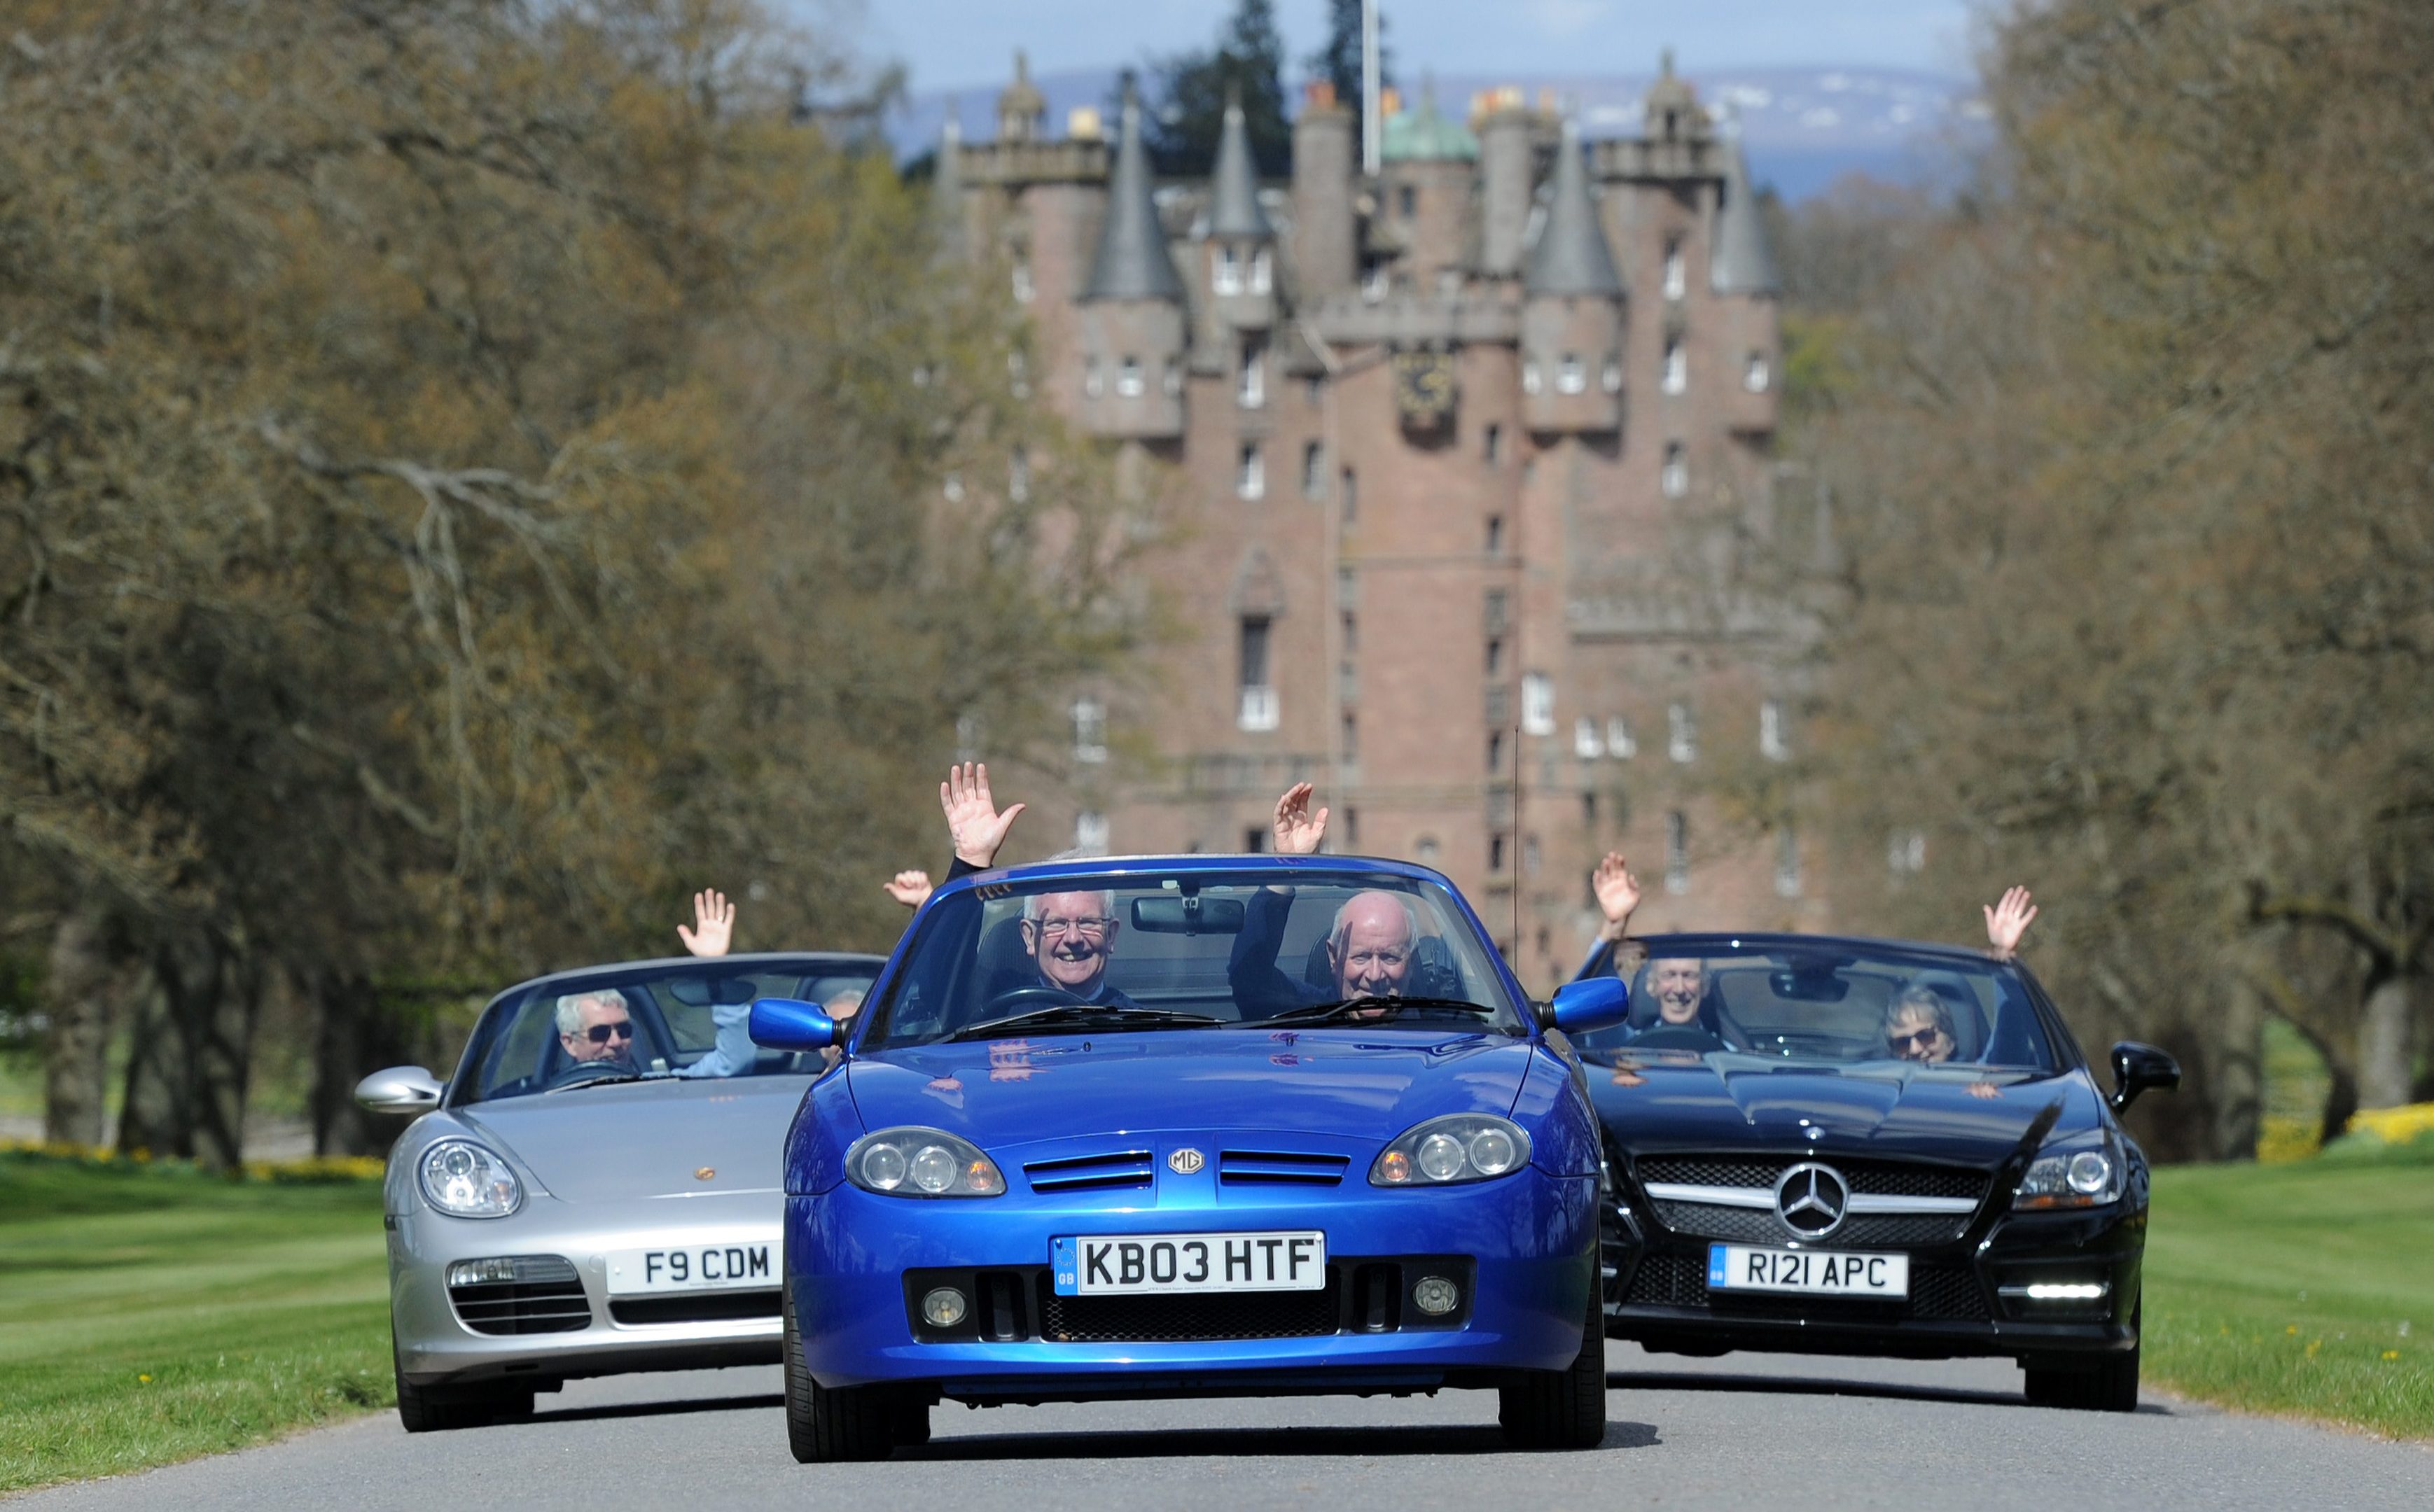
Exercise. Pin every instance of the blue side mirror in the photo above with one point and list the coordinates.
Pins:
(787, 1023)
(1598, 1003)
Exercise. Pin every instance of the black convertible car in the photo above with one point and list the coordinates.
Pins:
(1865, 1146)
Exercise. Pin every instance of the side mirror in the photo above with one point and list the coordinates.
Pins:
(789, 1024)
(400, 1089)
(1598, 1003)
(2137, 1067)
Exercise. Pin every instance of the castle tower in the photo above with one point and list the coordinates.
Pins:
(1237, 255)
(1742, 276)
(1326, 258)
(1572, 319)
(1022, 110)
(1131, 312)
(1424, 217)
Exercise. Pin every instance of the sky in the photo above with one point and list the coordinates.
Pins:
(970, 43)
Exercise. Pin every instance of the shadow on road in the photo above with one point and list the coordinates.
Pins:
(1248, 1443)
(658, 1409)
(1821, 1386)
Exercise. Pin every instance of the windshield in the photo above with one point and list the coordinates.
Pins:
(1840, 1005)
(680, 1019)
(1199, 951)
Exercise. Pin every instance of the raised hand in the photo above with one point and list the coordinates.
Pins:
(1618, 893)
(2006, 921)
(912, 889)
(713, 920)
(973, 817)
(1297, 832)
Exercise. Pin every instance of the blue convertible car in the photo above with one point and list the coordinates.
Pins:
(1191, 1126)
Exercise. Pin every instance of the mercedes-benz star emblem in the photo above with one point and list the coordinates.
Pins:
(1811, 1200)
(1186, 1161)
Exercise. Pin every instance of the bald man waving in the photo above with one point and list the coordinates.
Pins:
(1370, 946)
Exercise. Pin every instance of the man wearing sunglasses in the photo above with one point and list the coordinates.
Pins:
(595, 1027)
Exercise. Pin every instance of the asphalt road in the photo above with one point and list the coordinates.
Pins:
(1783, 1432)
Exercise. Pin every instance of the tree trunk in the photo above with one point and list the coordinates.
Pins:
(2234, 1074)
(2385, 1057)
(191, 1054)
(353, 1036)
(154, 1115)
(76, 1049)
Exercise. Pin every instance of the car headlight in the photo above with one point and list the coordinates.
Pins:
(467, 1180)
(916, 1162)
(1456, 1147)
(2087, 1176)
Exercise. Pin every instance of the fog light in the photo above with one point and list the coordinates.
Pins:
(482, 1272)
(943, 1307)
(2066, 1291)
(1436, 1296)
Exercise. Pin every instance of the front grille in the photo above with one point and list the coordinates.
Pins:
(1859, 1232)
(1742, 1225)
(1947, 1293)
(546, 1296)
(1287, 1167)
(1668, 1280)
(1161, 1318)
(1109, 1171)
(1875, 1177)
(1710, 1170)
(1908, 1178)
(1942, 1294)
(715, 1307)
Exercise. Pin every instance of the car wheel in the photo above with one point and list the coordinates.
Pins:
(824, 1426)
(912, 1427)
(442, 1409)
(1561, 1409)
(2112, 1387)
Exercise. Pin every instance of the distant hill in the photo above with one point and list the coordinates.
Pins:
(1802, 127)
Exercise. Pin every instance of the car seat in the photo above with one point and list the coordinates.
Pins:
(2017, 1038)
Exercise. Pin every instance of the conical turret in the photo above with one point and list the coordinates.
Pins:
(1234, 213)
(1132, 261)
(1571, 256)
(1743, 263)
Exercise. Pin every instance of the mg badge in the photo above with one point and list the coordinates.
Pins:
(1186, 1161)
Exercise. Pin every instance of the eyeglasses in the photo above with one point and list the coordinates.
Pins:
(1087, 929)
(1924, 1039)
(599, 1033)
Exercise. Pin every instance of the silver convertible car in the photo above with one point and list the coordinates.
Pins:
(596, 1190)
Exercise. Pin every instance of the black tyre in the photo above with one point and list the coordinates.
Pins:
(824, 1426)
(2111, 1386)
(442, 1409)
(912, 1420)
(1561, 1409)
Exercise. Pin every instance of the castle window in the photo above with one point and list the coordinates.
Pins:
(1226, 273)
(1090, 833)
(1495, 852)
(1674, 477)
(1089, 730)
(1495, 445)
(1531, 384)
(1128, 378)
(1376, 285)
(1262, 272)
(1586, 742)
(1619, 743)
(1407, 201)
(1428, 850)
(1786, 863)
(1572, 377)
(1256, 706)
(1537, 704)
(1171, 382)
(1755, 374)
(1771, 743)
(1251, 382)
(1495, 535)
(1612, 378)
(1251, 473)
(1498, 605)
(1495, 751)
(1313, 470)
(1495, 658)
(1530, 861)
(1352, 482)
(1675, 378)
(1906, 852)
(1094, 383)
(1677, 853)
(1351, 637)
(1022, 286)
(1351, 737)
(1677, 282)
(1681, 733)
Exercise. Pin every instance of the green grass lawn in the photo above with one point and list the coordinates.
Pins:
(2304, 1289)
(149, 1314)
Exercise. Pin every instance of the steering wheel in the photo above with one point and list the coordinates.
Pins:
(578, 1072)
(1022, 999)
(1678, 1037)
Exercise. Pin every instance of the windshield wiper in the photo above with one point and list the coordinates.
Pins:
(1369, 1003)
(1084, 1015)
(603, 1081)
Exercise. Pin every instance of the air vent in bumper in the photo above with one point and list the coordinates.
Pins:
(545, 1297)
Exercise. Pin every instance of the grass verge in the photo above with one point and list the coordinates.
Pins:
(2302, 1289)
(152, 1312)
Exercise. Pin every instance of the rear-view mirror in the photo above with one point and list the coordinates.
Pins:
(790, 1024)
(400, 1089)
(1190, 915)
(2137, 1067)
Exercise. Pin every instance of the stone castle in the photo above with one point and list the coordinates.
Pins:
(1432, 439)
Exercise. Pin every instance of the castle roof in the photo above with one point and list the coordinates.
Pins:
(1673, 107)
(1022, 105)
(1744, 262)
(1571, 255)
(1234, 212)
(1132, 261)
(1421, 135)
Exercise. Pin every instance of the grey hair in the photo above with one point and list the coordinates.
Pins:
(1105, 895)
(1342, 925)
(570, 1007)
(1920, 999)
(848, 998)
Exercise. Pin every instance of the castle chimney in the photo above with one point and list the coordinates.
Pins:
(1324, 258)
(1504, 187)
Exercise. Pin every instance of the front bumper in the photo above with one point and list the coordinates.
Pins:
(435, 1345)
(1965, 1295)
(1526, 1245)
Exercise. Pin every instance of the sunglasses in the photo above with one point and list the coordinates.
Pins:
(1924, 1039)
(599, 1033)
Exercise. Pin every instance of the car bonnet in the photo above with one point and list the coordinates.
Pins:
(645, 1139)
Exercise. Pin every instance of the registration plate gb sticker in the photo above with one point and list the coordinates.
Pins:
(1818, 1272)
(1112, 1264)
